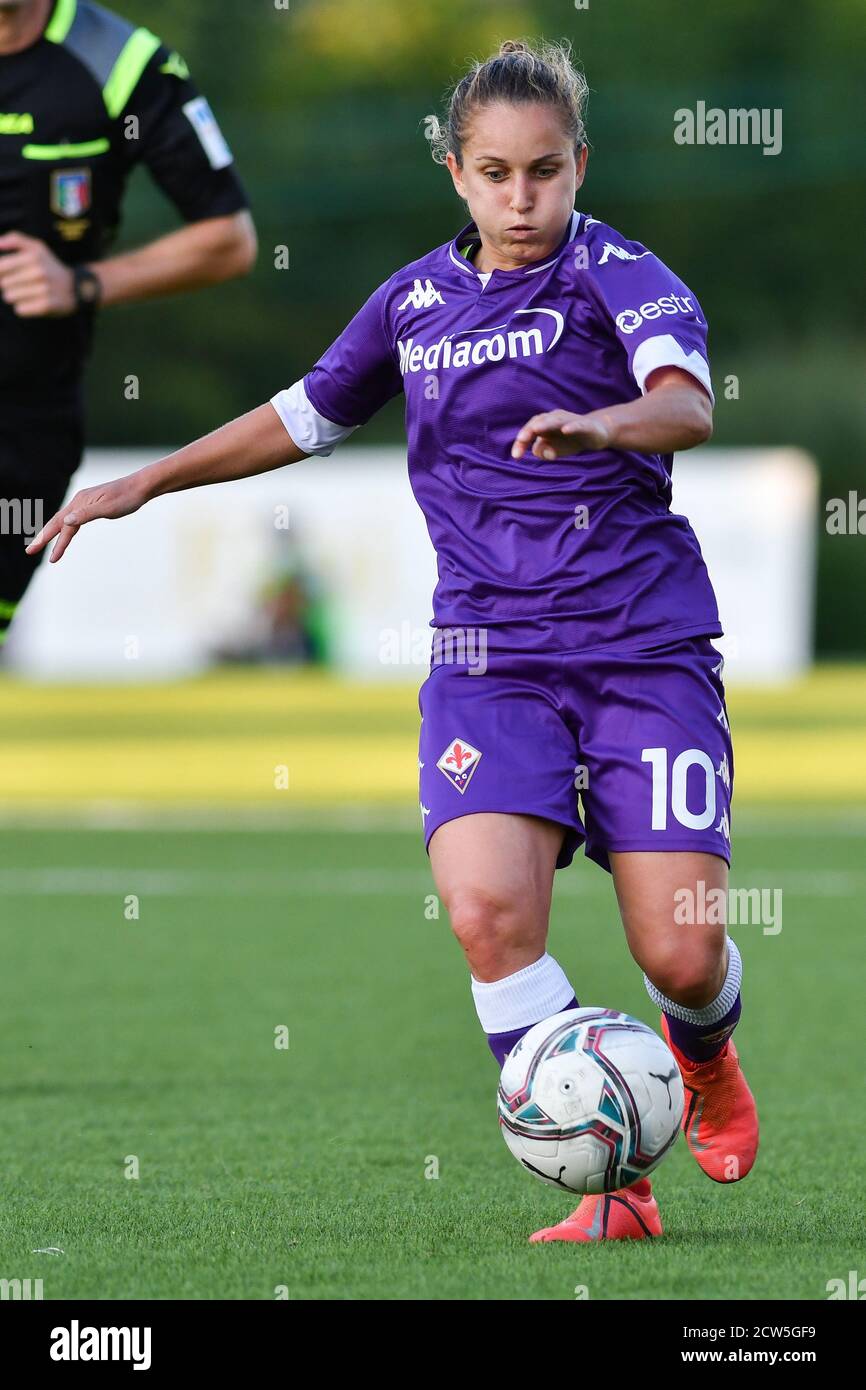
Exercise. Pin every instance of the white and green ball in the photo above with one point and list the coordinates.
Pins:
(590, 1100)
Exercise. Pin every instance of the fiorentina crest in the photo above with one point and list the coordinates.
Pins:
(458, 762)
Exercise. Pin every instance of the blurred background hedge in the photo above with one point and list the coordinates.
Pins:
(324, 106)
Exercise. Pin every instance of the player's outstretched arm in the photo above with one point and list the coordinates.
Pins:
(254, 443)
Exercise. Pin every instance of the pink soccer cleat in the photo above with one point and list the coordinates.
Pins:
(720, 1119)
(629, 1214)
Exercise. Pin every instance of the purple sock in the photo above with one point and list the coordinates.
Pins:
(702, 1041)
(501, 1043)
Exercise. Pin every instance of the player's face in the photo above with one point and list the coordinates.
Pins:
(519, 177)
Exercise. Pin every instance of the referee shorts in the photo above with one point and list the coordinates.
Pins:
(39, 453)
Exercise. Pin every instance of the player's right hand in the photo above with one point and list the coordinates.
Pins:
(118, 498)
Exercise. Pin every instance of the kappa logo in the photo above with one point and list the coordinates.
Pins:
(458, 763)
(619, 252)
(422, 296)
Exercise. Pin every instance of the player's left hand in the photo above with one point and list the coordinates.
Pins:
(33, 280)
(121, 497)
(558, 432)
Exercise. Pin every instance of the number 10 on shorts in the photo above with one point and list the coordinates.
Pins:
(690, 757)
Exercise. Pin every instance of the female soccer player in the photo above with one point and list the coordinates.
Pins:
(551, 368)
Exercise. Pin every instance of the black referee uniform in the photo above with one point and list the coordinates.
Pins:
(93, 97)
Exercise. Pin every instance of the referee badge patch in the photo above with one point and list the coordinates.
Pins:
(71, 193)
(203, 122)
(458, 762)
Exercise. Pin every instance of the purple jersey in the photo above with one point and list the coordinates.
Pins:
(582, 552)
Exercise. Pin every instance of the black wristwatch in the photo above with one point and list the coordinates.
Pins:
(87, 286)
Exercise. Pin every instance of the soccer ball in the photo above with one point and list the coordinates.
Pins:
(590, 1100)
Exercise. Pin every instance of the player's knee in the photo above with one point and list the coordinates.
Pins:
(487, 927)
(690, 977)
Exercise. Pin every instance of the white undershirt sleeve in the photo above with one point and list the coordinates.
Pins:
(664, 351)
(312, 432)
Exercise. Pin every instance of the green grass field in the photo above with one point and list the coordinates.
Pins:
(305, 1167)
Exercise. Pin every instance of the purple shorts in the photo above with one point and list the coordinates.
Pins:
(627, 750)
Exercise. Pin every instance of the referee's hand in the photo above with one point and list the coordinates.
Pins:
(120, 498)
(32, 280)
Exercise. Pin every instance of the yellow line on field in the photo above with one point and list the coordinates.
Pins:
(279, 692)
(800, 744)
(825, 765)
(175, 770)
(826, 692)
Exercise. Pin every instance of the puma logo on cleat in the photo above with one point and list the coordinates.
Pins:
(693, 1125)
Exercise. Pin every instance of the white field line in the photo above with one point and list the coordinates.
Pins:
(334, 882)
(171, 883)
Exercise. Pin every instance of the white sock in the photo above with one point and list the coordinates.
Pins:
(718, 1007)
(524, 998)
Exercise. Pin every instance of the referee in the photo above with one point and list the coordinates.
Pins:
(84, 97)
